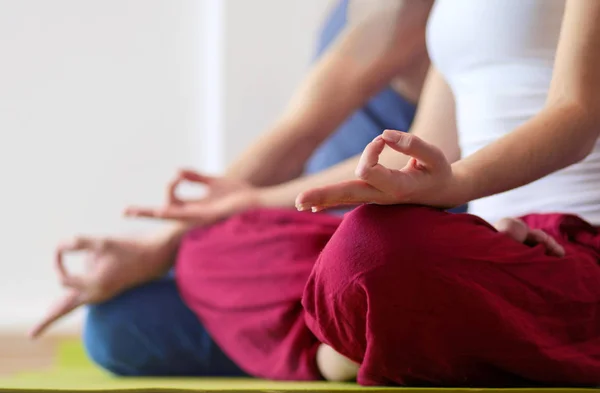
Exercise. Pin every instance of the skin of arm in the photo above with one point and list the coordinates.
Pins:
(434, 123)
(373, 50)
(563, 133)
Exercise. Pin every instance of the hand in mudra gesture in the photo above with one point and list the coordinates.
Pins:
(426, 179)
(224, 198)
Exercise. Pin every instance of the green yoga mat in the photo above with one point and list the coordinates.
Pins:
(74, 373)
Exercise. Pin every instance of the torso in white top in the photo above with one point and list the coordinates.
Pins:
(497, 56)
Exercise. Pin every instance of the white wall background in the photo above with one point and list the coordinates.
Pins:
(100, 101)
(269, 44)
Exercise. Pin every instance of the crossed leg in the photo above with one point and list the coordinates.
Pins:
(418, 296)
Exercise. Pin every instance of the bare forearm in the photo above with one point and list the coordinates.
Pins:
(556, 138)
(366, 58)
(322, 103)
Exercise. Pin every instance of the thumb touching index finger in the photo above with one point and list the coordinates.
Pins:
(78, 243)
(186, 175)
(415, 147)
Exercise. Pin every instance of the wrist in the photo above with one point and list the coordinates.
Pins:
(160, 251)
(266, 196)
(461, 189)
(275, 196)
(166, 241)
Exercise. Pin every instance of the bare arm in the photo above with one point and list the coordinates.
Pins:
(366, 57)
(384, 43)
(560, 135)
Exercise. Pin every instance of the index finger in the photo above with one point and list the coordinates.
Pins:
(415, 147)
(63, 307)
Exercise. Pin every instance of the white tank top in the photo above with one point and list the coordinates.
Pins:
(497, 56)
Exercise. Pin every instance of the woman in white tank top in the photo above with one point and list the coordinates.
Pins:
(509, 122)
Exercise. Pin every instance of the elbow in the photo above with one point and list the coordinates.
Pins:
(582, 121)
(580, 155)
(585, 147)
(590, 131)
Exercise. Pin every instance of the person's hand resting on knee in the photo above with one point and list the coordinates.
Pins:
(426, 179)
(521, 232)
(117, 264)
(224, 198)
(113, 266)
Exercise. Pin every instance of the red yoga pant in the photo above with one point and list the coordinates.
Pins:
(422, 297)
(244, 279)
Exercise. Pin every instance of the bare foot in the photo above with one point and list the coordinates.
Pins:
(335, 367)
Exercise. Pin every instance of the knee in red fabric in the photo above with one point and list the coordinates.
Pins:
(376, 251)
(244, 279)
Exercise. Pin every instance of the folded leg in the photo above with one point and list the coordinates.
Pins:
(244, 279)
(149, 331)
(418, 296)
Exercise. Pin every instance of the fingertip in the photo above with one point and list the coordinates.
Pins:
(34, 333)
(370, 155)
(195, 177)
(66, 244)
(302, 207)
(301, 202)
(129, 211)
(391, 136)
(310, 199)
(73, 244)
(377, 139)
(137, 212)
(186, 174)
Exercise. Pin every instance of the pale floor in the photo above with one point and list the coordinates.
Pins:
(18, 353)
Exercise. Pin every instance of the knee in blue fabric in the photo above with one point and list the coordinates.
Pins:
(149, 331)
(105, 338)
